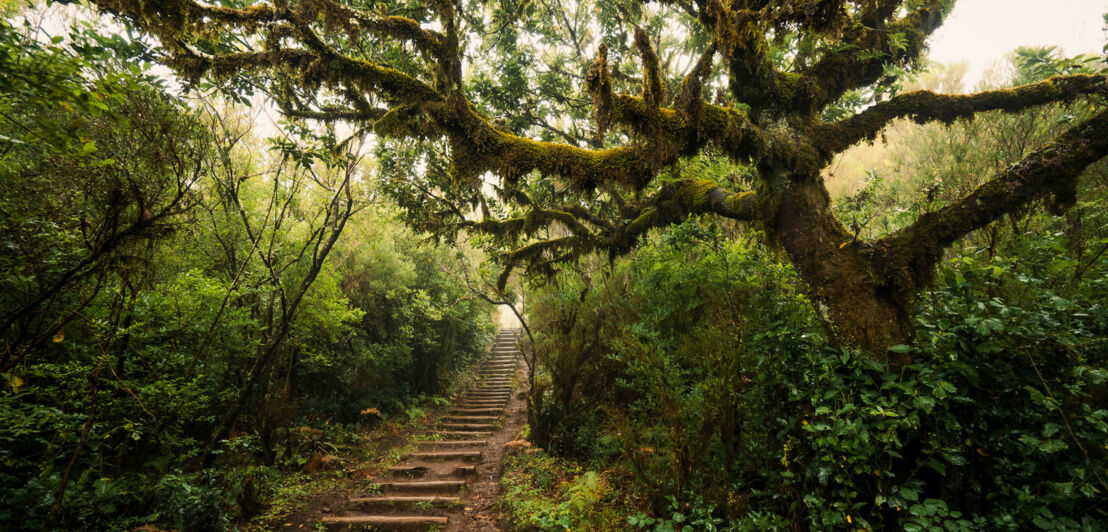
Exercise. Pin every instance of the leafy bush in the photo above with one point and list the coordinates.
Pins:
(149, 257)
(718, 396)
(545, 493)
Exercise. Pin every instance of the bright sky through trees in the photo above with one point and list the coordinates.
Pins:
(982, 32)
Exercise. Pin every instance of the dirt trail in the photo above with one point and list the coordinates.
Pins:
(452, 481)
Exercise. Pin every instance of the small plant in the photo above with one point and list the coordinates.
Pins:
(415, 413)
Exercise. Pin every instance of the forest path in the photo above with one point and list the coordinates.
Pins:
(451, 483)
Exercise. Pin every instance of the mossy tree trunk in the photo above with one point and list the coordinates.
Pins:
(847, 295)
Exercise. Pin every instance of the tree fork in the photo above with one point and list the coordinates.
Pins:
(849, 299)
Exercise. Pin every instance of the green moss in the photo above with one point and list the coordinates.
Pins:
(789, 85)
(651, 78)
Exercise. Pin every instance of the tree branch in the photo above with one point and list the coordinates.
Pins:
(925, 106)
(908, 257)
(860, 61)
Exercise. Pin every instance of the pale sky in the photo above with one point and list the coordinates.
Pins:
(982, 32)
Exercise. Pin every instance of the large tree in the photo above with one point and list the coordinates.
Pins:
(584, 117)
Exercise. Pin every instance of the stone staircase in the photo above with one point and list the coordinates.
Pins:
(430, 484)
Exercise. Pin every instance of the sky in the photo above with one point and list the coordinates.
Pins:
(982, 32)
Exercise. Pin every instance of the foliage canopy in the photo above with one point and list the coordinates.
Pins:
(585, 113)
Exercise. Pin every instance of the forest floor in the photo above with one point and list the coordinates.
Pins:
(441, 472)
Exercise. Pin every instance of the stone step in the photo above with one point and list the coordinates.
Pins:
(441, 444)
(391, 522)
(483, 403)
(465, 470)
(422, 485)
(477, 411)
(447, 455)
(402, 501)
(420, 471)
(459, 434)
(467, 427)
(470, 419)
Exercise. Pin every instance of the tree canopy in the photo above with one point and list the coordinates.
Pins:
(563, 128)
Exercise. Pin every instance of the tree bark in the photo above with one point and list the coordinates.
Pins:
(847, 296)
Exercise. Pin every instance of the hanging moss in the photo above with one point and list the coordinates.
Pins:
(598, 83)
(651, 77)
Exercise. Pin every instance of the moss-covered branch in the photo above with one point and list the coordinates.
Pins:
(179, 22)
(672, 204)
(925, 106)
(860, 59)
(354, 21)
(334, 114)
(677, 201)
(908, 257)
(178, 18)
(479, 146)
(741, 37)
